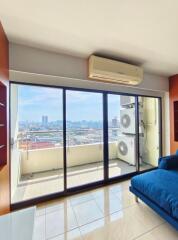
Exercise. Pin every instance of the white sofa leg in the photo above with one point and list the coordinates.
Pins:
(136, 199)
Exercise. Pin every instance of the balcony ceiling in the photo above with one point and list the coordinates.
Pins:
(144, 32)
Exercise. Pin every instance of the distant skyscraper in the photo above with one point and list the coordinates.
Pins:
(115, 125)
(115, 122)
(44, 121)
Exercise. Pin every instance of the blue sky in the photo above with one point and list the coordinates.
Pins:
(34, 102)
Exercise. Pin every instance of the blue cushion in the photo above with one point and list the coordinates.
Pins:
(168, 162)
(177, 152)
(161, 187)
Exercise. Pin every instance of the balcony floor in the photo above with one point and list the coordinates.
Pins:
(40, 184)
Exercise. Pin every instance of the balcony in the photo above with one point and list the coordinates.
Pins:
(38, 168)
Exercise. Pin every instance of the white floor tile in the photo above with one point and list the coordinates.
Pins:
(162, 232)
(107, 213)
(60, 221)
(108, 204)
(81, 198)
(87, 212)
(123, 225)
(72, 235)
(39, 228)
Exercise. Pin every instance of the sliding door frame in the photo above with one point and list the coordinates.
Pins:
(137, 152)
(106, 180)
(64, 141)
(106, 138)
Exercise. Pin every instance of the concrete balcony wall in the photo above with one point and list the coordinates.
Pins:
(39, 160)
(16, 166)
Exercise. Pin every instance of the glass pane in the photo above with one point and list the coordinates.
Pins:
(149, 132)
(36, 142)
(122, 135)
(84, 135)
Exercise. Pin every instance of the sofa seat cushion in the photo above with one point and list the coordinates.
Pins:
(160, 186)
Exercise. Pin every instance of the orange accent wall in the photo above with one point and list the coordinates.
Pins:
(173, 95)
(4, 77)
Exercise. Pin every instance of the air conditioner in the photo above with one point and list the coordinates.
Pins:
(111, 71)
(127, 121)
(128, 101)
(127, 149)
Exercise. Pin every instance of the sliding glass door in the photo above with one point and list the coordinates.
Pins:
(84, 137)
(64, 139)
(121, 135)
(36, 142)
(149, 131)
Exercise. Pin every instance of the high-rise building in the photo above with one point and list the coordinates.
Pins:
(115, 122)
(44, 121)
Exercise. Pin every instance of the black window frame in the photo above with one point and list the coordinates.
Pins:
(106, 179)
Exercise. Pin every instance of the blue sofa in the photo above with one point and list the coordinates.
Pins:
(159, 188)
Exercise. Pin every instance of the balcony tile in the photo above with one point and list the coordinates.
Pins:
(73, 181)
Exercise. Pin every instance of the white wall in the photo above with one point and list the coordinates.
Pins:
(37, 66)
(27, 59)
(31, 60)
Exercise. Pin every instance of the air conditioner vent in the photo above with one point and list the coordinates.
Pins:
(111, 71)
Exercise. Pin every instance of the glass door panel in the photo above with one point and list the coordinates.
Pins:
(37, 148)
(84, 137)
(149, 131)
(36, 142)
(121, 135)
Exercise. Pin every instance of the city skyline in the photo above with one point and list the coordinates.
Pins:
(82, 120)
(41, 124)
(45, 124)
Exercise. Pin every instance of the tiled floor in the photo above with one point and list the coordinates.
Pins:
(107, 213)
(40, 184)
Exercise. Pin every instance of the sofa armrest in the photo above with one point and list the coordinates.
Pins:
(168, 162)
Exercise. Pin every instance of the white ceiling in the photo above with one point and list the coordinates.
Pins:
(144, 32)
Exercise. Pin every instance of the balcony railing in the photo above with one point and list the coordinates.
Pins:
(43, 150)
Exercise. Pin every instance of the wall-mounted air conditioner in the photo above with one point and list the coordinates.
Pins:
(111, 71)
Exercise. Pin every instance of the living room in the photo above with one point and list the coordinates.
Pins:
(88, 120)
